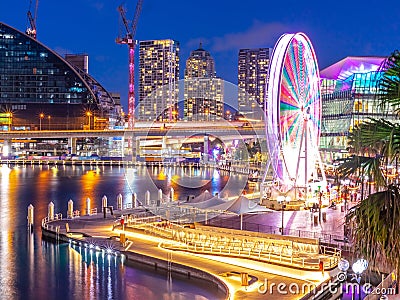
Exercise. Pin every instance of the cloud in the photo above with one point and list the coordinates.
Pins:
(259, 35)
(98, 5)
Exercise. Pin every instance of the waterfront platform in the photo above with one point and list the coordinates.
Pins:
(224, 270)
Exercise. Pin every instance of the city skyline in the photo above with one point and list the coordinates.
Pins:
(223, 28)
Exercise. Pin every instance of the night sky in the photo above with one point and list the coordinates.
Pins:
(337, 29)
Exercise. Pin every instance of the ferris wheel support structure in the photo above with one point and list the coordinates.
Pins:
(293, 118)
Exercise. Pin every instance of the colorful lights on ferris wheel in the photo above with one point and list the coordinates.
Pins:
(293, 107)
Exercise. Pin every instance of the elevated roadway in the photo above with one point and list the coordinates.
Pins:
(186, 129)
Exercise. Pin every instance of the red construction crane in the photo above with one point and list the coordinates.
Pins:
(129, 39)
(31, 31)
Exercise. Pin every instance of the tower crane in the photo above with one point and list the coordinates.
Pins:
(31, 31)
(129, 39)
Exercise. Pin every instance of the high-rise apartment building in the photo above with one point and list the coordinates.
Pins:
(252, 77)
(203, 91)
(158, 80)
(200, 64)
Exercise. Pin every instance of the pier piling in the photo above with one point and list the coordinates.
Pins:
(88, 209)
(104, 202)
(50, 213)
(30, 217)
(147, 198)
(159, 199)
(119, 202)
(70, 211)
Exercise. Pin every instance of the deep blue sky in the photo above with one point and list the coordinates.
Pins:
(337, 29)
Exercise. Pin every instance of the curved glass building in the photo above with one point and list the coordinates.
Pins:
(348, 90)
(39, 89)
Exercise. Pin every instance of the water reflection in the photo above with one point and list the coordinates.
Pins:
(185, 181)
(33, 268)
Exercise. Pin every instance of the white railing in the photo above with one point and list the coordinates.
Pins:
(247, 246)
(75, 214)
(144, 220)
(47, 220)
(128, 205)
(206, 247)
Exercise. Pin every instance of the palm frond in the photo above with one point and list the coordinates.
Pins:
(389, 85)
(363, 166)
(376, 221)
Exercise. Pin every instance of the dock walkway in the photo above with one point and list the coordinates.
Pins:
(223, 271)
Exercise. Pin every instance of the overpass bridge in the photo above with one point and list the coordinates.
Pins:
(189, 130)
(144, 134)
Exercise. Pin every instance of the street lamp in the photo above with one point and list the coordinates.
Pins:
(9, 116)
(358, 268)
(228, 115)
(319, 202)
(89, 114)
(343, 265)
(41, 116)
(282, 200)
(49, 117)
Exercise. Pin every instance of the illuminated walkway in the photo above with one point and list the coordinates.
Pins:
(288, 251)
(225, 268)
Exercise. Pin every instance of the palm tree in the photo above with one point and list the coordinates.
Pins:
(375, 145)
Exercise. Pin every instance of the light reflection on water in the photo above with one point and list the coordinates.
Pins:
(185, 181)
(32, 268)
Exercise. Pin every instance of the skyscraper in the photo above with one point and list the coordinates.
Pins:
(252, 76)
(203, 91)
(158, 80)
(200, 64)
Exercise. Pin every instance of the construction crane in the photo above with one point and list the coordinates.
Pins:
(129, 39)
(31, 31)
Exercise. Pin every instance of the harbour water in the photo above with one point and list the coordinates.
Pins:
(33, 268)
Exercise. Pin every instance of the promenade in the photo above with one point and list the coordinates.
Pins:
(302, 223)
(223, 271)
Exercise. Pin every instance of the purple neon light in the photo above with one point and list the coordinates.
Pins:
(350, 65)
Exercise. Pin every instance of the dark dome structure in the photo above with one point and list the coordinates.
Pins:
(37, 83)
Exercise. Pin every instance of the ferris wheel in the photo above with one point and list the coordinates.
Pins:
(293, 111)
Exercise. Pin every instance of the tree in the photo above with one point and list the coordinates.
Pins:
(375, 145)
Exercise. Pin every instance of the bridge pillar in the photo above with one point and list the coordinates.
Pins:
(122, 146)
(205, 151)
(136, 149)
(164, 148)
(6, 150)
(72, 145)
